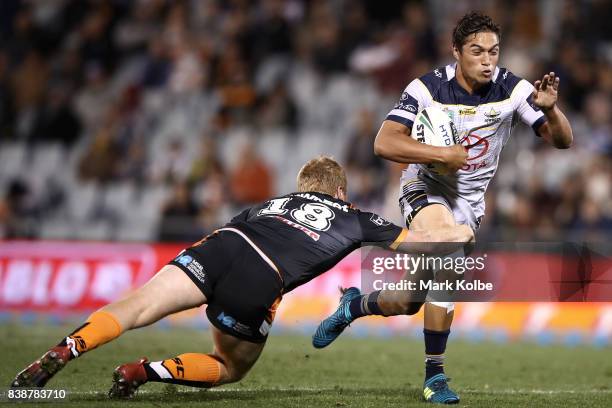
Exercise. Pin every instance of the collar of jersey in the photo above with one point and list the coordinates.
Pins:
(465, 95)
(331, 197)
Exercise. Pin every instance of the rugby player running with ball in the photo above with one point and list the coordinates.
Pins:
(484, 101)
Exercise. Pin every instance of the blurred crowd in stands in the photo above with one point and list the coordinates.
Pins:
(158, 119)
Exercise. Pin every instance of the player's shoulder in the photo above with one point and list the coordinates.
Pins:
(434, 79)
(368, 218)
(376, 220)
(508, 81)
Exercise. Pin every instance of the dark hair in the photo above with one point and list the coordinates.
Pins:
(473, 23)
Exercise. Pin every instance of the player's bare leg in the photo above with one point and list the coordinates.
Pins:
(404, 302)
(431, 217)
(354, 305)
(239, 355)
(169, 291)
(438, 317)
(230, 361)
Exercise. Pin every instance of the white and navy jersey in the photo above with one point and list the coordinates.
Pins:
(484, 121)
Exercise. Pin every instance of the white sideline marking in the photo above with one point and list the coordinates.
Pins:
(519, 391)
(314, 389)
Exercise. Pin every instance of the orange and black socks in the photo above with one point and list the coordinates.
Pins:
(194, 369)
(99, 328)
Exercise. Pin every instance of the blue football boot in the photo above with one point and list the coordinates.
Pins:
(334, 325)
(436, 390)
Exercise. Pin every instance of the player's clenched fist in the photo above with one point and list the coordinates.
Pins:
(455, 157)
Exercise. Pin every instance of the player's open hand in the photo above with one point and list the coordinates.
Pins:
(455, 157)
(545, 93)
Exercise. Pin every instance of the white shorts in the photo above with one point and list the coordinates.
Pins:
(417, 192)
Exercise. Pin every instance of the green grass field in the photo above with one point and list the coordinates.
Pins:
(351, 373)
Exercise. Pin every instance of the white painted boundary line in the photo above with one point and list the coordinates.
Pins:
(314, 389)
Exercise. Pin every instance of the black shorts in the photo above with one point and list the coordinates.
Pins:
(242, 290)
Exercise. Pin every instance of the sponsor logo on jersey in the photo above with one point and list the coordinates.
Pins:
(232, 323)
(378, 220)
(307, 231)
(467, 111)
(184, 260)
(406, 103)
(264, 329)
(226, 320)
(532, 104)
(343, 207)
(476, 146)
(192, 266)
(437, 73)
(406, 107)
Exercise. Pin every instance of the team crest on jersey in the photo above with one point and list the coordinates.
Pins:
(378, 220)
(492, 113)
(492, 116)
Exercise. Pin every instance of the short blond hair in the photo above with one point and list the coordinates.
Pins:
(323, 175)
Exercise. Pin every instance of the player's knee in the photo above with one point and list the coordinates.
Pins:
(413, 308)
(232, 369)
(235, 374)
(399, 305)
(127, 311)
(409, 307)
(139, 311)
(239, 375)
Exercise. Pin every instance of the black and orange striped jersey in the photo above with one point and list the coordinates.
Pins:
(305, 234)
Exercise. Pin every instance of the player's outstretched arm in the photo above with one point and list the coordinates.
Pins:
(556, 130)
(393, 142)
(441, 241)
